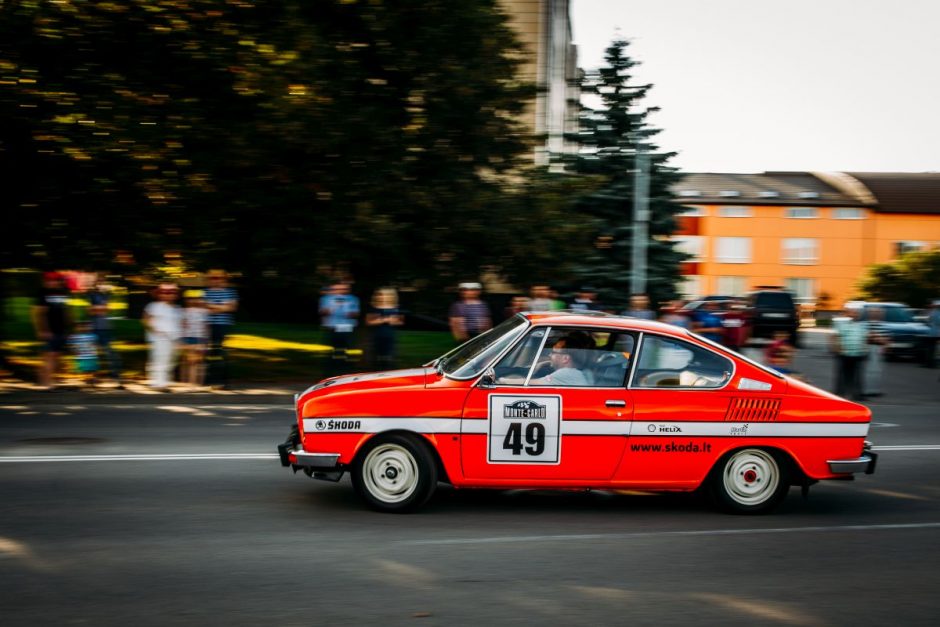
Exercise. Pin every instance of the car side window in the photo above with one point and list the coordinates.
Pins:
(671, 363)
(569, 357)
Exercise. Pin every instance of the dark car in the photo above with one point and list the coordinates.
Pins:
(906, 336)
(773, 310)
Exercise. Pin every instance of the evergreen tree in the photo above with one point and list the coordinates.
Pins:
(613, 126)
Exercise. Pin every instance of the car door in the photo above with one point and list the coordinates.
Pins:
(680, 403)
(519, 427)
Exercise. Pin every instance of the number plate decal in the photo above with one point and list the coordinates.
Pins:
(524, 429)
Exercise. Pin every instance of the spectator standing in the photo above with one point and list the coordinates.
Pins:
(339, 312)
(517, 304)
(585, 300)
(734, 325)
(384, 317)
(640, 307)
(84, 345)
(708, 323)
(221, 302)
(541, 298)
(850, 345)
(162, 321)
(670, 315)
(52, 322)
(194, 327)
(930, 342)
(779, 353)
(99, 299)
(877, 339)
(469, 316)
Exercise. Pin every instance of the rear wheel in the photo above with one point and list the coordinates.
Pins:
(750, 481)
(395, 473)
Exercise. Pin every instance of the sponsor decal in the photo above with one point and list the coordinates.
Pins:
(673, 447)
(742, 430)
(524, 409)
(338, 425)
(664, 429)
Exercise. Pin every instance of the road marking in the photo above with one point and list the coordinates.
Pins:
(155, 457)
(650, 534)
(907, 447)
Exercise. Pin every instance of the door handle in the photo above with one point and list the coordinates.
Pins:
(616, 403)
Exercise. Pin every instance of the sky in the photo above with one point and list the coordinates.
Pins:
(764, 85)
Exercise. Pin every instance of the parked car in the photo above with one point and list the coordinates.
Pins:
(907, 336)
(774, 310)
(579, 401)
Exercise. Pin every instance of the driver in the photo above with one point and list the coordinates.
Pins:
(566, 360)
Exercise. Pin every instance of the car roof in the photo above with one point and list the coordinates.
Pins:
(598, 318)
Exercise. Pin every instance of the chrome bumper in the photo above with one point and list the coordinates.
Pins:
(865, 463)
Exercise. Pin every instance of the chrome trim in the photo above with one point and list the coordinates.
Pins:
(315, 460)
(634, 358)
(535, 360)
(859, 464)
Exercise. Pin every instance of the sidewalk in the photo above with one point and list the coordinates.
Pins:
(17, 392)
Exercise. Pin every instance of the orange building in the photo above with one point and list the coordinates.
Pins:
(813, 233)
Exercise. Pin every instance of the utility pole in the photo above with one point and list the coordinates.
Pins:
(641, 219)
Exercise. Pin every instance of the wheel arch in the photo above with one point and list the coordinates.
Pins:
(428, 440)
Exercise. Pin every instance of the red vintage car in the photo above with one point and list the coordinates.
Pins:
(579, 401)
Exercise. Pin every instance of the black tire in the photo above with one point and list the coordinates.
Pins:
(750, 481)
(394, 473)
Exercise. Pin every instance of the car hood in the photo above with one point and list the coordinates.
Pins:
(371, 380)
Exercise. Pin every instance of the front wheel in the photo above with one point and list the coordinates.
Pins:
(750, 481)
(394, 473)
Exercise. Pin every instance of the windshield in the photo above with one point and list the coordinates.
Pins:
(470, 359)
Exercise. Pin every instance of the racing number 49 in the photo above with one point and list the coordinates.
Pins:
(534, 438)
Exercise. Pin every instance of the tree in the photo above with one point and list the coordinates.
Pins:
(283, 139)
(613, 127)
(913, 278)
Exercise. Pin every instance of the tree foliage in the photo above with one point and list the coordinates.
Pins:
(614, 125)
(913, 278)
(285, 139)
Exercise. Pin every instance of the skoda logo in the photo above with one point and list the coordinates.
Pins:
(320, 425)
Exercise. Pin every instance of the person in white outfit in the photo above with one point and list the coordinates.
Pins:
(877, 339)
(162, 321)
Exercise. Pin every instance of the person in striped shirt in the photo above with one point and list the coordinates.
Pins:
(850, 344)
(221, 302)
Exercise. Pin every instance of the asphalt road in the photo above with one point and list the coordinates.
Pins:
(173, 538)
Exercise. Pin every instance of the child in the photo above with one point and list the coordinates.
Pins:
(780, 354)
(195, 338)
(85, 348)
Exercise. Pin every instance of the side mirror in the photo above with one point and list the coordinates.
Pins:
(488, 380)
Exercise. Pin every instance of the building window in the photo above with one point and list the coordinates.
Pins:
(802, 212)
(690, 287)
(904, 247)
(692, 245)
(848, 213)
(732, 285)
(800, 250)
(734, 211)
(733, 250)
(692, 211)
(804, 290)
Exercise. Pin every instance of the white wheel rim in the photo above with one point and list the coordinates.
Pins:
(751, 477)
(390, 473)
